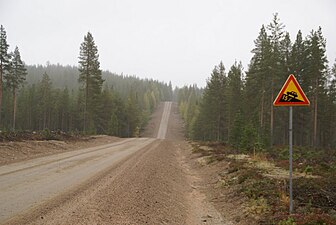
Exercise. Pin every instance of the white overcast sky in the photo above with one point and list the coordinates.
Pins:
(172, 40)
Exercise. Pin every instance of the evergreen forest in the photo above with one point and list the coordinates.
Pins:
(236, 106)
(72, 99)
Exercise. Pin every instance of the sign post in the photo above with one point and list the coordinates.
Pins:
(290, 159)
(291, 94)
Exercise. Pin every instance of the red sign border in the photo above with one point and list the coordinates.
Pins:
(305, 99)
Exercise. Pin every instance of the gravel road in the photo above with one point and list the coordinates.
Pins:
(133, 181)
(23, 184)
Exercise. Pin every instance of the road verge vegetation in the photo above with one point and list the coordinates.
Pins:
(262, 178)
(43, 135)
(19, 146)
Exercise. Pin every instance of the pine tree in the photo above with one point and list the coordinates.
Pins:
(286, 51)
(330, 138)
(276, 63)
(91, 78)
(237, 130)
(45, 106)
(258, 85)
(298, 52)
(212, 122)
(133, 114)
(4, 61)
(234, 98)
(63, 109)
(15, 77)
(316, 73)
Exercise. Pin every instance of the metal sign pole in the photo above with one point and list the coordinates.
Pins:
(290, 159)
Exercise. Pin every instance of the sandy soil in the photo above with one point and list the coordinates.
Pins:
(160, 184)
(225, 199)
(12, 152)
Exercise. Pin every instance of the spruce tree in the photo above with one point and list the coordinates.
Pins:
(45, 102)
(212, 124)
(331, 113)
(15, 77)
(317, 75)
(276, 64)
(298, 56)
(90, 76)
(258, 85)
(234, 98)
(286, 50)
(4, 60)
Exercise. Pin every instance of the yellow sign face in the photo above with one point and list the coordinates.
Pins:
(291, 94)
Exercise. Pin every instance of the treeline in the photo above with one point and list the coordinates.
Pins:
(125, 104)
(236, 107)
(67, 76)
(81, 99)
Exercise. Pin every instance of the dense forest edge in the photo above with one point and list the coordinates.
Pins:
(52, 100)
(234, 115)
(83, 99)
(236, 107)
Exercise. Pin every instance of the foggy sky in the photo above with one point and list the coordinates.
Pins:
(175, 40)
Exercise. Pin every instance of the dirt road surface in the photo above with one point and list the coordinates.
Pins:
(145, 180)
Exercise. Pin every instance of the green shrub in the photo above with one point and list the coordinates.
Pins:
(289, 221)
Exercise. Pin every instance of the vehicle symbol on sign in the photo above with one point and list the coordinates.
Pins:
(291, 96)
(292, 93)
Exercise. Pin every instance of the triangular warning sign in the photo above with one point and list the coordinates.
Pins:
(291, 94)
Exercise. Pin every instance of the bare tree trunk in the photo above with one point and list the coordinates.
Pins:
(315, 116)
(44, 119)
(62, 121)
(218, 130)
(14, 108)
(262, 110)
(50, 127)
(85, 107)
(302, 129)
(261, 132)
(229, 128)
(272, 119)
(272, 112)
(1, 71)
(86, 100)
